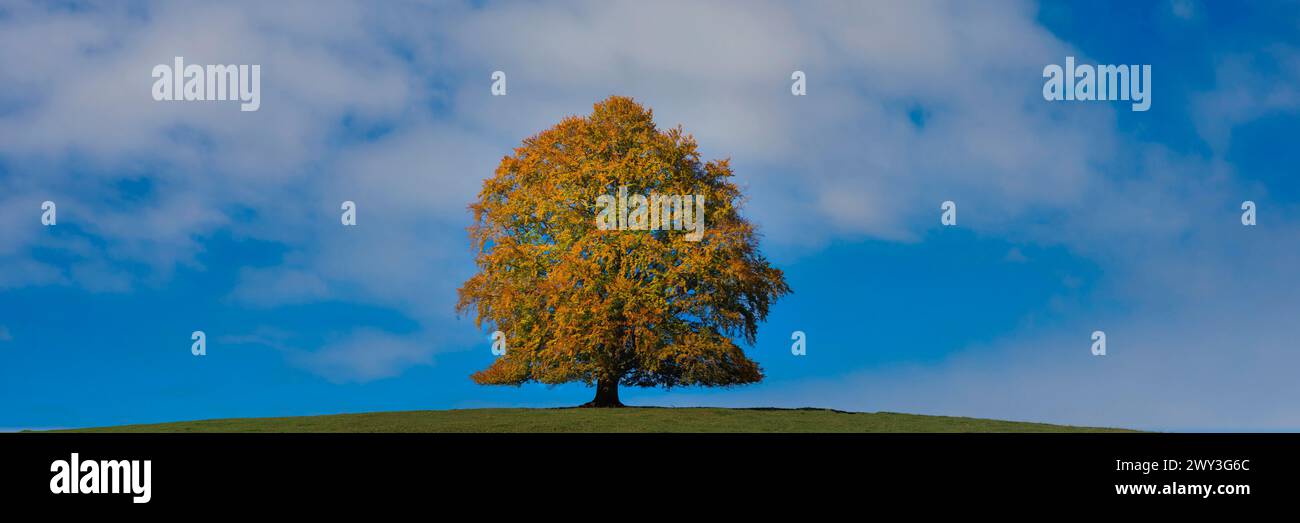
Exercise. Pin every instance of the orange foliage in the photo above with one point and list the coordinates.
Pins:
(637, 308)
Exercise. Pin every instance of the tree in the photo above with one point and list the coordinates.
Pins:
(616, 307)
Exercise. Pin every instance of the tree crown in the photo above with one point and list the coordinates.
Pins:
(636, 307)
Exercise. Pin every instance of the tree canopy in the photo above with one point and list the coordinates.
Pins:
(580, 302)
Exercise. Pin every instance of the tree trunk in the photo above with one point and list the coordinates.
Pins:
(606, 394)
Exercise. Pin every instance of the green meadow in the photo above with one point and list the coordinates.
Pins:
(632, 419)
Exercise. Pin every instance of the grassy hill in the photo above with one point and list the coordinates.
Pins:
(644, 419)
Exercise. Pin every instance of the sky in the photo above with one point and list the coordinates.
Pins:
(1073, 217)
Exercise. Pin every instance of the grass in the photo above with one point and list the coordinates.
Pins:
(634, 419)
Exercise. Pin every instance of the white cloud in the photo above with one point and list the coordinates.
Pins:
(279, 286)
(356, 356)
(365, 355)
(1185, 9)
(1248, 86)
(841, 161)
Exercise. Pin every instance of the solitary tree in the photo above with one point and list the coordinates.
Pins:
(583, 265)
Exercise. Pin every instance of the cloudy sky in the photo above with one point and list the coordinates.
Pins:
(1072, 217)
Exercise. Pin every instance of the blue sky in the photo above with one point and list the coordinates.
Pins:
(1073, 217)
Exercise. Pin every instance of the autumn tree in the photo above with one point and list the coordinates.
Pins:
(610, 306)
